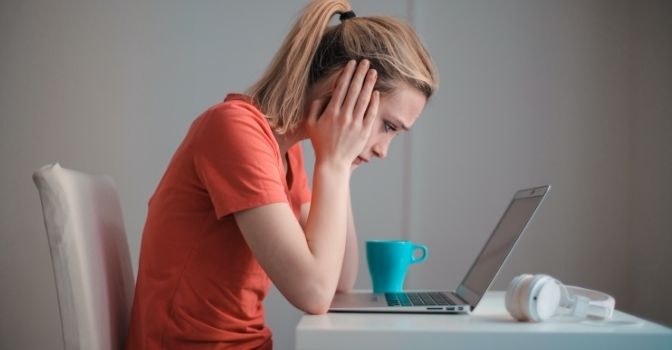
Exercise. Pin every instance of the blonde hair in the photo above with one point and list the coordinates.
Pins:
(313, 50)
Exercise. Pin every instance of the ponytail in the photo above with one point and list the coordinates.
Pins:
(280, 93)
(312, 50)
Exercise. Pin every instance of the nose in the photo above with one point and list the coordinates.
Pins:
(380, 149)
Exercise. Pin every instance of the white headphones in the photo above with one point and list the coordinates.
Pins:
(539, 297)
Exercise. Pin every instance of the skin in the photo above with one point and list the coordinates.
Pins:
(348, 124)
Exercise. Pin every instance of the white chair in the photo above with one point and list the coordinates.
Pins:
(90, 256)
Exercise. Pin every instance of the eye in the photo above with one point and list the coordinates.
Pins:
(389, 127)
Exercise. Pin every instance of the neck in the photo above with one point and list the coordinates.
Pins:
(289, 139)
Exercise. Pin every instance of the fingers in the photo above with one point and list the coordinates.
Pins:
(342, 86)
(365, 94)
(372, 112)
(356, 86)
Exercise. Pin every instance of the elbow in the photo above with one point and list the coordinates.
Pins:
(314, 307)
(318, 304)
(315, 299)
(317, 309)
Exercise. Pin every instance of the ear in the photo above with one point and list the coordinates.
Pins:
(315, 110)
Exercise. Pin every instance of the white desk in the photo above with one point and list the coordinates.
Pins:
(489, 327)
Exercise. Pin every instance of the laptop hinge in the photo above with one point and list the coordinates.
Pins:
(457, 296)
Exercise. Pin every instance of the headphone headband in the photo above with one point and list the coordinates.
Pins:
(538, 297)
(591, 302)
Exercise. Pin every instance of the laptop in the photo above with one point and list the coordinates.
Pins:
(483, 271)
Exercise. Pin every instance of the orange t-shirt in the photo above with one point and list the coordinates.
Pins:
(198, 285)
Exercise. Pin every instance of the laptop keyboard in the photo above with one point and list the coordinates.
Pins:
(417, 299)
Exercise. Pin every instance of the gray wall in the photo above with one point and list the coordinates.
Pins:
(572, 93)
(651, 161)
(534, 92)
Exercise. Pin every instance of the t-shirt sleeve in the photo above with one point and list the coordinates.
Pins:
(236, 160)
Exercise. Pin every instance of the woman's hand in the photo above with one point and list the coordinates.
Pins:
(340, 132)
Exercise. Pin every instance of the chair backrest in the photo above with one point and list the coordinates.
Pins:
(90, 256)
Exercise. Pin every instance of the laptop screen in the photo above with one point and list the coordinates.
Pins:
(499, 245)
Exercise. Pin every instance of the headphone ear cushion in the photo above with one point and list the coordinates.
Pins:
(513, 296)
(533, 299)
(525, 296)
(548, 299)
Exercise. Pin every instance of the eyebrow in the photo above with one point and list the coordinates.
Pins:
(398, 122)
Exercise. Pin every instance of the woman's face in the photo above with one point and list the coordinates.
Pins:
(397, 112)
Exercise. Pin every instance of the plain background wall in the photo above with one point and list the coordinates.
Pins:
(573, 93)
(533, 92)
(651, 161)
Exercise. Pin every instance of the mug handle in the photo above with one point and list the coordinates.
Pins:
(423, 257)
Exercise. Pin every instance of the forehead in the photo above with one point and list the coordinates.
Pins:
(404, 103)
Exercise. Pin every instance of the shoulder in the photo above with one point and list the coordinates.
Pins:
(235, 118)
(237, 108)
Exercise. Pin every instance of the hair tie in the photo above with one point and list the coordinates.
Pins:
(347, 15)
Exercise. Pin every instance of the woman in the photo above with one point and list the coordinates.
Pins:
(233, 210)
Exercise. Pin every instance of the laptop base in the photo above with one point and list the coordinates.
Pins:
(367, 302)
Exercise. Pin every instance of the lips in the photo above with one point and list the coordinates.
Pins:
(360, 160)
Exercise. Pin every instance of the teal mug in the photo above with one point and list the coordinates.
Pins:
(389, 260)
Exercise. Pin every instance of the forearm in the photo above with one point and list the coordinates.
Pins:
(326, 224)
(351, 257)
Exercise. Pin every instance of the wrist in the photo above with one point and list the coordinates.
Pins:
(333, 166)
